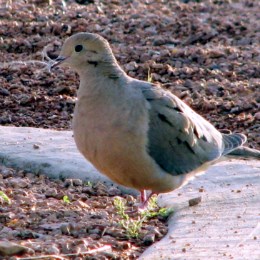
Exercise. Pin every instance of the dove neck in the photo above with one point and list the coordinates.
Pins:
(106, 69)
(112, 70)
(100, 78)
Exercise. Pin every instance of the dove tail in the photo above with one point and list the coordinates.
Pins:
(246, 153)
(232, 142)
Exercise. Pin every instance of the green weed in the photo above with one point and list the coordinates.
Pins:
(66, 199)
(89, 184)
(5, 197)
(133, 227)
(149, 76)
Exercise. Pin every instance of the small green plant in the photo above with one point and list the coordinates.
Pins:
(66, 199)
(152, 204)
(133, 227)
(154, 211)
(89, 184)
(162, 212)
(5, 197)
(149, 76)
(120, 206)
(165, 212)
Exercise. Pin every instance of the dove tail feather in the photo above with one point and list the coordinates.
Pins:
(232, 142)
(245, 152)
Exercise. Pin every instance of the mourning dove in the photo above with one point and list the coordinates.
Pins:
(137, 134)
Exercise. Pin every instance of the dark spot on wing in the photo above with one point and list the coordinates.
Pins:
(178, 109)
(188, 146)
(179, 141)
(204, 138)
(175, 108)
(195, 131)
(164, 119)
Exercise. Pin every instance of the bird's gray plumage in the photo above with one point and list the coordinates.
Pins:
(179, 139)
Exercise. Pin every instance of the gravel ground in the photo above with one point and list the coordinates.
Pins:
(62, 217)
(206, 52)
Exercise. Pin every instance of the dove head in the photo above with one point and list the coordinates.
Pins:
(85, 50)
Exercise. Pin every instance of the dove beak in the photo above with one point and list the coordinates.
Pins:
(58, 61)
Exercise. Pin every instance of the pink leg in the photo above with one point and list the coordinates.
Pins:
(144, 200)
(143, 196)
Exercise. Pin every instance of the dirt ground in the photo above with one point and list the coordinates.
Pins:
(206, 52)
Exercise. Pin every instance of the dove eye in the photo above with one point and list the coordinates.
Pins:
(78, 48)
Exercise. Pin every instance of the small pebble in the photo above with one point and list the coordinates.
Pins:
(52, 250)
(77, 182)
(113, 191)
(51, 192)
(149, 239)
(195, 201)
(36, 146)
(8, 248)
(18, 183)
(68, 183)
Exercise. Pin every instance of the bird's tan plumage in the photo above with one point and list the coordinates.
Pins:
(139, 135)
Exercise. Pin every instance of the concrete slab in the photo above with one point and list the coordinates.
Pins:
(225, 225)
(50, 152)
